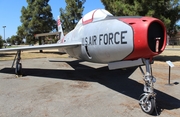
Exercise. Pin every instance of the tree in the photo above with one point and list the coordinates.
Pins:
(72, 14)
(21, 32)
(1, 42)
(166, 10)
(8, 40)
(15, 40)
(36, 18)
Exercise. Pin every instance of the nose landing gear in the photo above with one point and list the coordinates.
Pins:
(148, 99)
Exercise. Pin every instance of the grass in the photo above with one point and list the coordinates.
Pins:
(33, 54)
(171, 46)
(13, 46)
(171, 55)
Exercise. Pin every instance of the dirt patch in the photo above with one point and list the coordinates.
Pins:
(81, 84)
(10, 77)
(130, 107)
(47, 91)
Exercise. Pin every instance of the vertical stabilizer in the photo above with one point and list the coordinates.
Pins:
(60, 29)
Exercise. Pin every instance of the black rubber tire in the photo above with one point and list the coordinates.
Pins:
(18, 69)
(149, 107)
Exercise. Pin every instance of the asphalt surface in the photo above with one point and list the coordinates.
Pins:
(66, 87)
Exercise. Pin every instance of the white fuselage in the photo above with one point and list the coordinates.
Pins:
(106, 41)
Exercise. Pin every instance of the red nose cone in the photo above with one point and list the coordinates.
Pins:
(149, 37)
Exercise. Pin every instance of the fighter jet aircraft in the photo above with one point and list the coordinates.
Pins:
(119, 42)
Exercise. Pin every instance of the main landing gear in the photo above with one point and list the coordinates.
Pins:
(18, 69)
(148, 98)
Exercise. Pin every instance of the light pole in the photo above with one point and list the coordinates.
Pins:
(4, 32)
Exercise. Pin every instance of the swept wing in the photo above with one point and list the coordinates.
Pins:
(48, 46)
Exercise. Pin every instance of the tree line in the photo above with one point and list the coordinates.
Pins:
(38, 18)
(166, 10)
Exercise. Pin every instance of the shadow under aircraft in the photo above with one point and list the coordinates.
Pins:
(117, 80)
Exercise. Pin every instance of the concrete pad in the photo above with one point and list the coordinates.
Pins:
(66, 87)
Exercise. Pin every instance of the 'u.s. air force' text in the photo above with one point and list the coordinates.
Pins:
(106, 39)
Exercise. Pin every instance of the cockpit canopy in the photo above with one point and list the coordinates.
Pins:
(93, 16)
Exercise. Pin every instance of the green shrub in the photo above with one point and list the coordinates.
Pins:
(1, 42)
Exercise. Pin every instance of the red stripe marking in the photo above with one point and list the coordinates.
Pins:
(89, 20)
(58, 22)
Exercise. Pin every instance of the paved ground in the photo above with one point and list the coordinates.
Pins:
(71, 88)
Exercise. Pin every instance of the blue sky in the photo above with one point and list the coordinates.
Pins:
(10, 12)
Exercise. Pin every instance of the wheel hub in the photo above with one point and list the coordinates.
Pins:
(147, 106)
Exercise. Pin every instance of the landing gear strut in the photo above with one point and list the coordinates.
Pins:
(148, 98)
(18, 69)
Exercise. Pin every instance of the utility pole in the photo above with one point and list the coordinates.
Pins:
(4, 36)
(4, 33)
